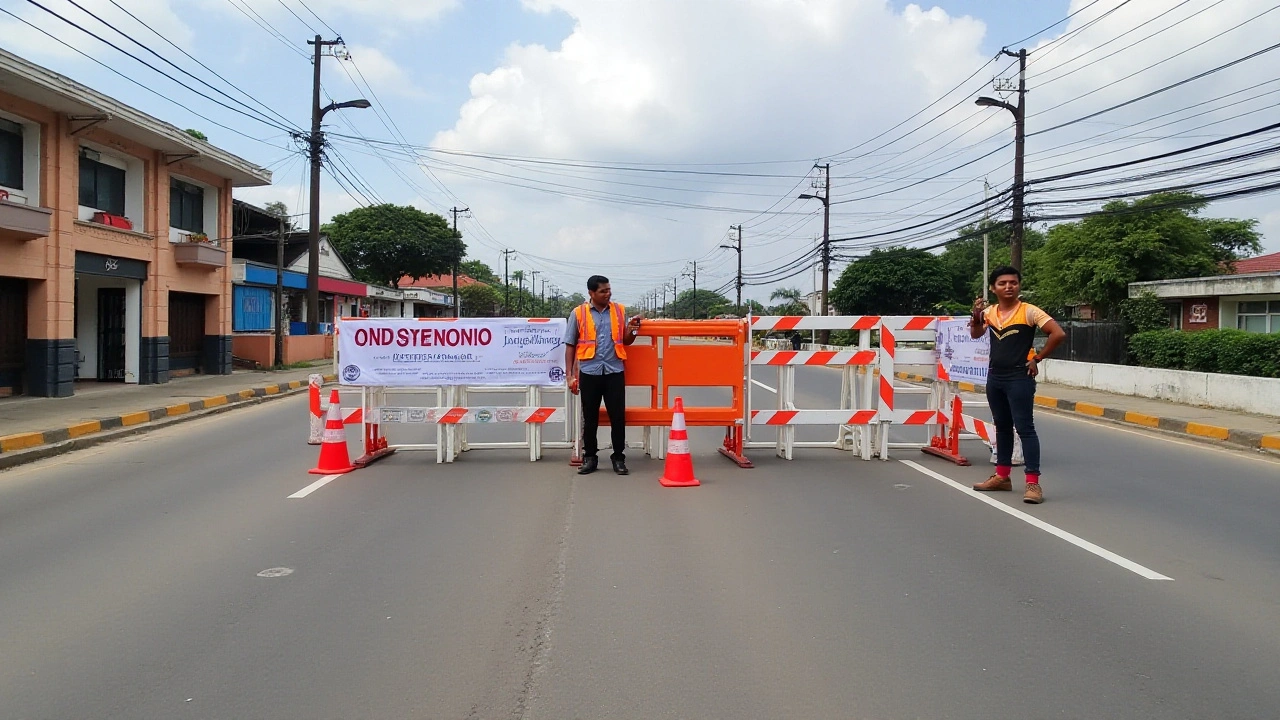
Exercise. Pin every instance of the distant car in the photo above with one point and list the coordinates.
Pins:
(726, 316)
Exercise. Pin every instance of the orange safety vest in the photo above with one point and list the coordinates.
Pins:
(587, 330)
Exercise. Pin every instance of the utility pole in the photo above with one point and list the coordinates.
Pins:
(543, 301)
(675, 296)
(520, 297)
(315, 146)
(737, 246)
(986, 219)
(694, 301)
(279, 309)
(506, 279)
(1019, 156)
(457, 308)
(1019, 112)
(533, 291)
(825, 197)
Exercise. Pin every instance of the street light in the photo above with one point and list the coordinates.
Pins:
(316, 142)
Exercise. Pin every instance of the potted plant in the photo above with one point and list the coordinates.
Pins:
(198, 238)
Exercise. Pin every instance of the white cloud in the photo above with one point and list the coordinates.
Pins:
(671, 81)
(383, 73)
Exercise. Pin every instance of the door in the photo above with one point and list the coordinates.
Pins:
(13, 332)
(186, 331)
(111, 334)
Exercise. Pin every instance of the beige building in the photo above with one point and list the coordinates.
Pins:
(115, 257)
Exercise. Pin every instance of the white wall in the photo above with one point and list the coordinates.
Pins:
(87, 287)
(1226, 392)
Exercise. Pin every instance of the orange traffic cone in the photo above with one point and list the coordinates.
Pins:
(334, 459)
(679, 470)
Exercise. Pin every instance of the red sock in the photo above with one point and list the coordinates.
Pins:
(1033, 478)
(1004, 470)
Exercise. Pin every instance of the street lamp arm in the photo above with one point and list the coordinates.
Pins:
(992, 102)
(361, 103)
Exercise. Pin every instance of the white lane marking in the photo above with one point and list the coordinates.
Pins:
(1038, 523)
(766, 387)
(313, 487)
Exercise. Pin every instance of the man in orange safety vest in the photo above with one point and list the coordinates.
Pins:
(596, 341)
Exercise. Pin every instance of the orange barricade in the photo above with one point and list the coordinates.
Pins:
(663, 357)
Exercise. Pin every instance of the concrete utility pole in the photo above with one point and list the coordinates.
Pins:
(825, 197)
(533, 290)
(694, 301)
(315, 147)
(675, 296)
(986, 218)
(1019, 112)
(506, 279)
(738, 247)
(457, 308)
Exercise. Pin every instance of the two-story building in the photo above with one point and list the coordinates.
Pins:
(115, 260)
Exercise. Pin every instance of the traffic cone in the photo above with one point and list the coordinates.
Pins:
(679, 470)
(334, 459)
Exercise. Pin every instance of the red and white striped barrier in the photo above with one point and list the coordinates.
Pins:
(813, 417)
(813, 357)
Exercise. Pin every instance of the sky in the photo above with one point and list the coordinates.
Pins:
(627, 137)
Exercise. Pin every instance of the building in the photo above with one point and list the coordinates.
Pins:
(114, 251)
(1248, 299)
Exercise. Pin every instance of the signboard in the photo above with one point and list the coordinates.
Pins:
(477, 351)
(1199, 313)
(964, 358)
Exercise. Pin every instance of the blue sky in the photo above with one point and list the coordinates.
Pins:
(754, 91)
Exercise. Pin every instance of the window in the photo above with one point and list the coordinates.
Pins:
(186, 206)
(101, 186)
(10, 154)
(1259, 316)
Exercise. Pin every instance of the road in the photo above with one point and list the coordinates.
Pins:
(824, 587)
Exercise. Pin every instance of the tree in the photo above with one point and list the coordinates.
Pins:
(899, 281)
(197, 134)
(792, 302)
(384, 243)
(963, 258)
(479, 300)
(479, 271)
(1157, 237)
(705, 304)
(755, 307)
(280, 210)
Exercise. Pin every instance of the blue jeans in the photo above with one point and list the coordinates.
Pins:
(1011, 400)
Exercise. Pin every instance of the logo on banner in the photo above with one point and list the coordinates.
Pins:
(351, 373)
(556, 374)
(484, 415)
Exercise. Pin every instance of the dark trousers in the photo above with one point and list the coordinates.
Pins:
(612, 388)
(1011, 400)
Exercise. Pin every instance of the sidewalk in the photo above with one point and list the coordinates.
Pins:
(34, 427)
(1257, 432)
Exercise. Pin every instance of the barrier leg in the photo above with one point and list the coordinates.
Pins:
(948, 447)
(375, 444)
(734, 438)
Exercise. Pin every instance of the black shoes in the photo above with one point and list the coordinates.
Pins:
(591, 463)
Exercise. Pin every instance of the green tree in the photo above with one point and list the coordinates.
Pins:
(705, 304)
(900, 281)
(1154, 238)
(384, 243)
(1145, 313)
(963, 258)
(479, 300)
(479, 271)
(281, 210)
(791, 302)
(755, 307)
(197, 134)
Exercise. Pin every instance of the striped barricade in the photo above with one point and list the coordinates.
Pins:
(868, 400)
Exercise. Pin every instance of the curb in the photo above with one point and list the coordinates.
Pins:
(1200, 431)
(30, 446)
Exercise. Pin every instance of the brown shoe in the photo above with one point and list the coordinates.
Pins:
(1033, 494)
(995, 483)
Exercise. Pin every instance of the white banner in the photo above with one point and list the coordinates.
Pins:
(963, 357)
(472, 351)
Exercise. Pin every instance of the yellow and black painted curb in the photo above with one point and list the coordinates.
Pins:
(1243, 438)
(138, 420)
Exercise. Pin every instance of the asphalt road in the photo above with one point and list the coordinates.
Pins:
(824, 587)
